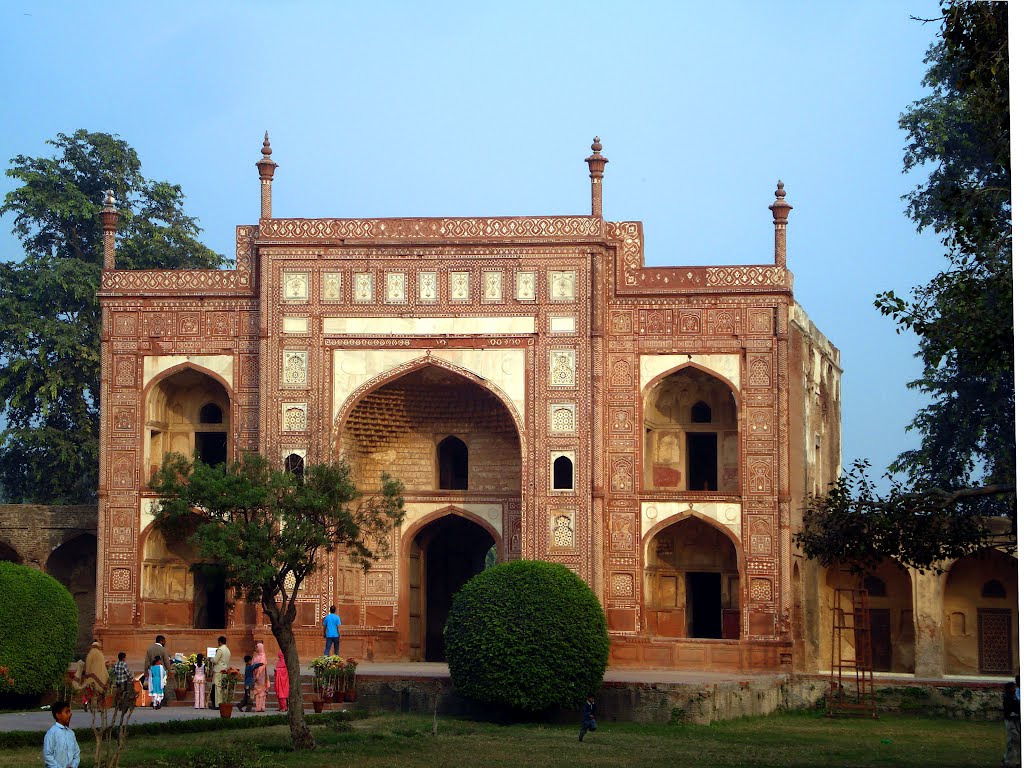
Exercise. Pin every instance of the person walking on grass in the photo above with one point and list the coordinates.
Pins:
(1011, 719)
(60, 747)
(589, 722)
(332, 623)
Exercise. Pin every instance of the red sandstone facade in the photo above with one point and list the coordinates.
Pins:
(537, 388)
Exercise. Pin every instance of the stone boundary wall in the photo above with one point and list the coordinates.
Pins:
(698, 703)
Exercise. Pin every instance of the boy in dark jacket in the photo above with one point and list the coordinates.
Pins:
(589, 722)
(250, 683)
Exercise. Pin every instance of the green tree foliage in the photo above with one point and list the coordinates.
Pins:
(964, 468)
(270, 530)
(528, 634)
(49, 313)
(38, 630)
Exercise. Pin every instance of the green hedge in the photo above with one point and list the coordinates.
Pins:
(528, 634)
(38, 630)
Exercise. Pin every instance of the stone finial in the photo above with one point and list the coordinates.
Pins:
(780, 214)
(266, 168)
(597, 162)
(109, 216)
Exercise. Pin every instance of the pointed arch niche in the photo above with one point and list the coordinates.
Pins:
(691, 581)
(187, 412)
(691, 434)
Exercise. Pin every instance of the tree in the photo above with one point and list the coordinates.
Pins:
(964, 469)
(49, 313)
(270, 530)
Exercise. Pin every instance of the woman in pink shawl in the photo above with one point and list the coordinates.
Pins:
(281, 682)
(261, 679)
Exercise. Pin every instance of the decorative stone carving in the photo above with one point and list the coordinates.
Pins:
(622, 585)
(124, 371)
(656, 322)
(331, 286)
(124, 419)
(294, 367)
(724, 322)
(526, 286)
(362, 287)
(759, 371)
(562, 368)
(188, 324)
(492, 286)
(395, 287)
(760, 538)
(622, 420)
(123, 469)
(459, 282)
(120, 580)
(563, 529)
(622, 531)
(759, 476)
(293, 417)
(759, 321)
(380, 583)
(219, 323)
(562, 285)
(295, 286)
(622, 475)
(622, 322)
(761, 590)
(428, 286)
(125, 324)
(515, 536)
(622, 373)
(760, 421)
(563, 418)
(688, 321)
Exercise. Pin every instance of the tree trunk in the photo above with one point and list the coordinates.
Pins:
(302, 738)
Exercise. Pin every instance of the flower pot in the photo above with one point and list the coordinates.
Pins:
(339, 696)
(318, 706)
(179, 694)
(350, 694)
(225, 710)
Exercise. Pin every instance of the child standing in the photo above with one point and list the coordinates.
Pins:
(157, 679)
(245, 705)
(199, 683)
(589, 722)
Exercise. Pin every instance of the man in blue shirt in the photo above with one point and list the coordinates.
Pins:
(60, 747)
(332, 621)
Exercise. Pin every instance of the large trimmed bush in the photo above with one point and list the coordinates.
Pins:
(528, 634)
(38, 630)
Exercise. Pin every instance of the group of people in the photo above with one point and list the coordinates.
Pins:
(150, 688)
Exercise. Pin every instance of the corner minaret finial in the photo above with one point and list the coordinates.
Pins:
(109, 216)
(780, 213)
(266, 167)
(597, 162)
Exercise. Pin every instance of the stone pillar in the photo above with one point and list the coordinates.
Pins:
(597, 163)
(266, 167)
(780, 212)
(929, 623)
(109, 216)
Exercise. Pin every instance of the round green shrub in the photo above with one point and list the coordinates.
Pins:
(38, 630)
(528, 634)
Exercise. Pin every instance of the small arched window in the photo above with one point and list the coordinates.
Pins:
(211, 414)
(993, 588)
(561, 474)
(874, 586)
(700, 413)
(296, 465)
(452, 465)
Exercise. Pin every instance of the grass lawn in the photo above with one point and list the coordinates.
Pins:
(404, 740)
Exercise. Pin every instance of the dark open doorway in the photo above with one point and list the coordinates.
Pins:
(212, 447)
(209, 596)
(447, 553)
(704, 604)
(452, 465)
(702, 461)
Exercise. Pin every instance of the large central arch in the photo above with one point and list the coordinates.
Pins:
(455, 444)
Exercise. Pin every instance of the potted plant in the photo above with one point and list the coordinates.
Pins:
(182, 675)
(192, 660)
(229, 680)
(348, 678)
(324, 680)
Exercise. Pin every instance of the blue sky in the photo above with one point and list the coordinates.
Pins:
(445, 108)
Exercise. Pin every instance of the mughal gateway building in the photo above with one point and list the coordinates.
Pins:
(541, 393)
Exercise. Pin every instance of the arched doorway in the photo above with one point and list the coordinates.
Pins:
(691, 438)
(691, 582)
(73, 564)
(443, 556)
(981, 615)
(177, 589)
(9, 553)
(187, 412)
(890, 605)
